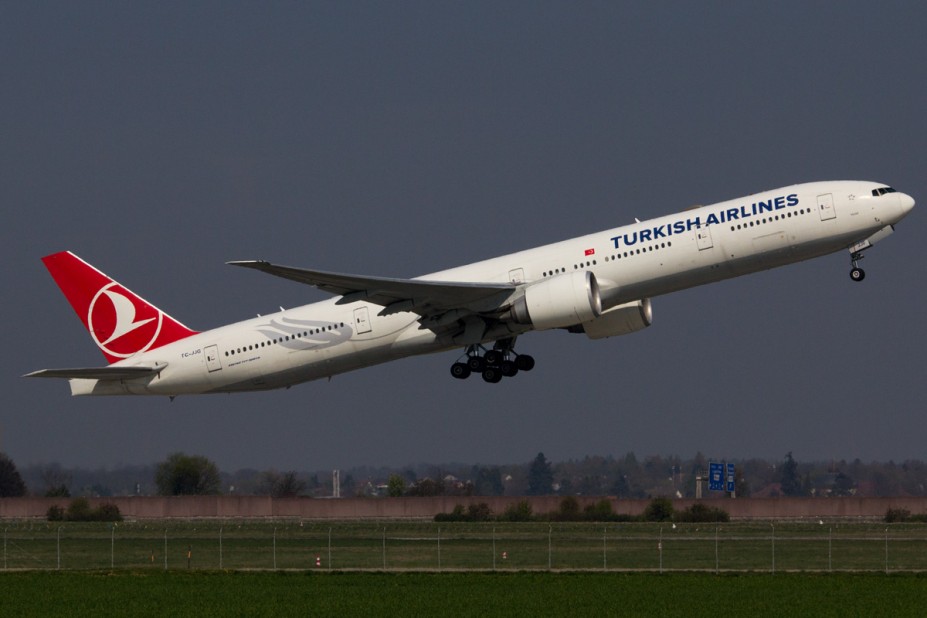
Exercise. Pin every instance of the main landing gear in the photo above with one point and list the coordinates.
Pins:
(857, 273)
(500, 362)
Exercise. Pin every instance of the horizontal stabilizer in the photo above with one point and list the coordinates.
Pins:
(99, 373)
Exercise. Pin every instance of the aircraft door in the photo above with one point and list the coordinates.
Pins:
(362, 320)
(703, 238)
(212, 358)
(826, 206)
(517, 275)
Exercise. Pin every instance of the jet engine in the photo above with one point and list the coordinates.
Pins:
(559, 301)
(619, 320)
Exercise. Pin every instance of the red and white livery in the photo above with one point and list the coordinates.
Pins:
(600, 285)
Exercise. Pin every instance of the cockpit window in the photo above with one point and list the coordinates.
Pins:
(882, 191)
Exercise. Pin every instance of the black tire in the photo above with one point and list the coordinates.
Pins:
(476, 364)
(508, 369)
(857, 274)
(460, 371)
(492, 375)
(493, 357)
(524, 362)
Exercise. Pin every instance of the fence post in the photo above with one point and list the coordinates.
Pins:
(439, 549)
(59, 548)
(717, 563)
(493, 548)
(830, 549)
(4, 547)
(773, 547)
(605, 548)
(384, 548)
(220, 548)
(886, 551)
(660, 549)
(550, 533)
(165, 549)
(329, 548)
(112, 546)
(275, 548)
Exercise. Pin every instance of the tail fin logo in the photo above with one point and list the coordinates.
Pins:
(120, 323)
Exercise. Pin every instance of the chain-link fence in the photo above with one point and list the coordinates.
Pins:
(404, 546)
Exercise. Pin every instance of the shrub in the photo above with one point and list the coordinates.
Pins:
(479, 512)
(79, 510)
(894, 516)
(700, 512)
(457, 514)
(659, 509)
(474, 512)
(897, 516)
(520, 511)
(600, 511)
(108, 512)
(569, 510)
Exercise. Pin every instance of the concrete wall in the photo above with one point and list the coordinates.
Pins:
(157, 507)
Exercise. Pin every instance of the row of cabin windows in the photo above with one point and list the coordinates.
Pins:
(617, 256)
(743, 226)
(262, 344)
(664, 245)
(638, 251)
(586, 265)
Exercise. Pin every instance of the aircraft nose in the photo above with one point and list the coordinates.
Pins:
(907, 203)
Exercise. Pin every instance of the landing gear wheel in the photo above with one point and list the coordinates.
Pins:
(476, 363)
(492, 375)
(508, 368)
(857, 274)
(500, 362)
(524, 362)
(460, 371)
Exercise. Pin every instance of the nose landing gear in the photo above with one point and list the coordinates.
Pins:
(500, 362)
(857, 273)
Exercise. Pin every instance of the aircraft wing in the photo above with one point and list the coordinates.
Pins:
(427, 298)
(99, 373)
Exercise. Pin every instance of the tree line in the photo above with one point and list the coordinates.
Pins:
(625, 477)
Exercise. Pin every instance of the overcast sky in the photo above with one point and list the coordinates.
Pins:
(160, 140)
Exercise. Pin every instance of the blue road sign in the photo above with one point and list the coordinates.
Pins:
(730, 478)
(715, 476)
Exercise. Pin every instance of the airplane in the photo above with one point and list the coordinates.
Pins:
(600, 285)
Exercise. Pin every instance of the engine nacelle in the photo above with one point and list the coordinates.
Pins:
(560, 301)
(620, 320)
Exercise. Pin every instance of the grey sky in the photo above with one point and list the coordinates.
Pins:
(160, 140)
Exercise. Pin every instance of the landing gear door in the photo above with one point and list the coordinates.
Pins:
(362, 320)
(703, 238)
(826, 206)
(212, 358)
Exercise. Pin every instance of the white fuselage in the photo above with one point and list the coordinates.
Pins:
(637, 261)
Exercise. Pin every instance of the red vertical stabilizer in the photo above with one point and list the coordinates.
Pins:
(121, 323)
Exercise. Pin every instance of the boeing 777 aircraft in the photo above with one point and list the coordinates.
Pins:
(600, 285)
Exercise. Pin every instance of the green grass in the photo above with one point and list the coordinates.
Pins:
(213, 593)
(397, 546)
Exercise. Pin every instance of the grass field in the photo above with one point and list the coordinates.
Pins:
(400, 546)
(213, 593)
